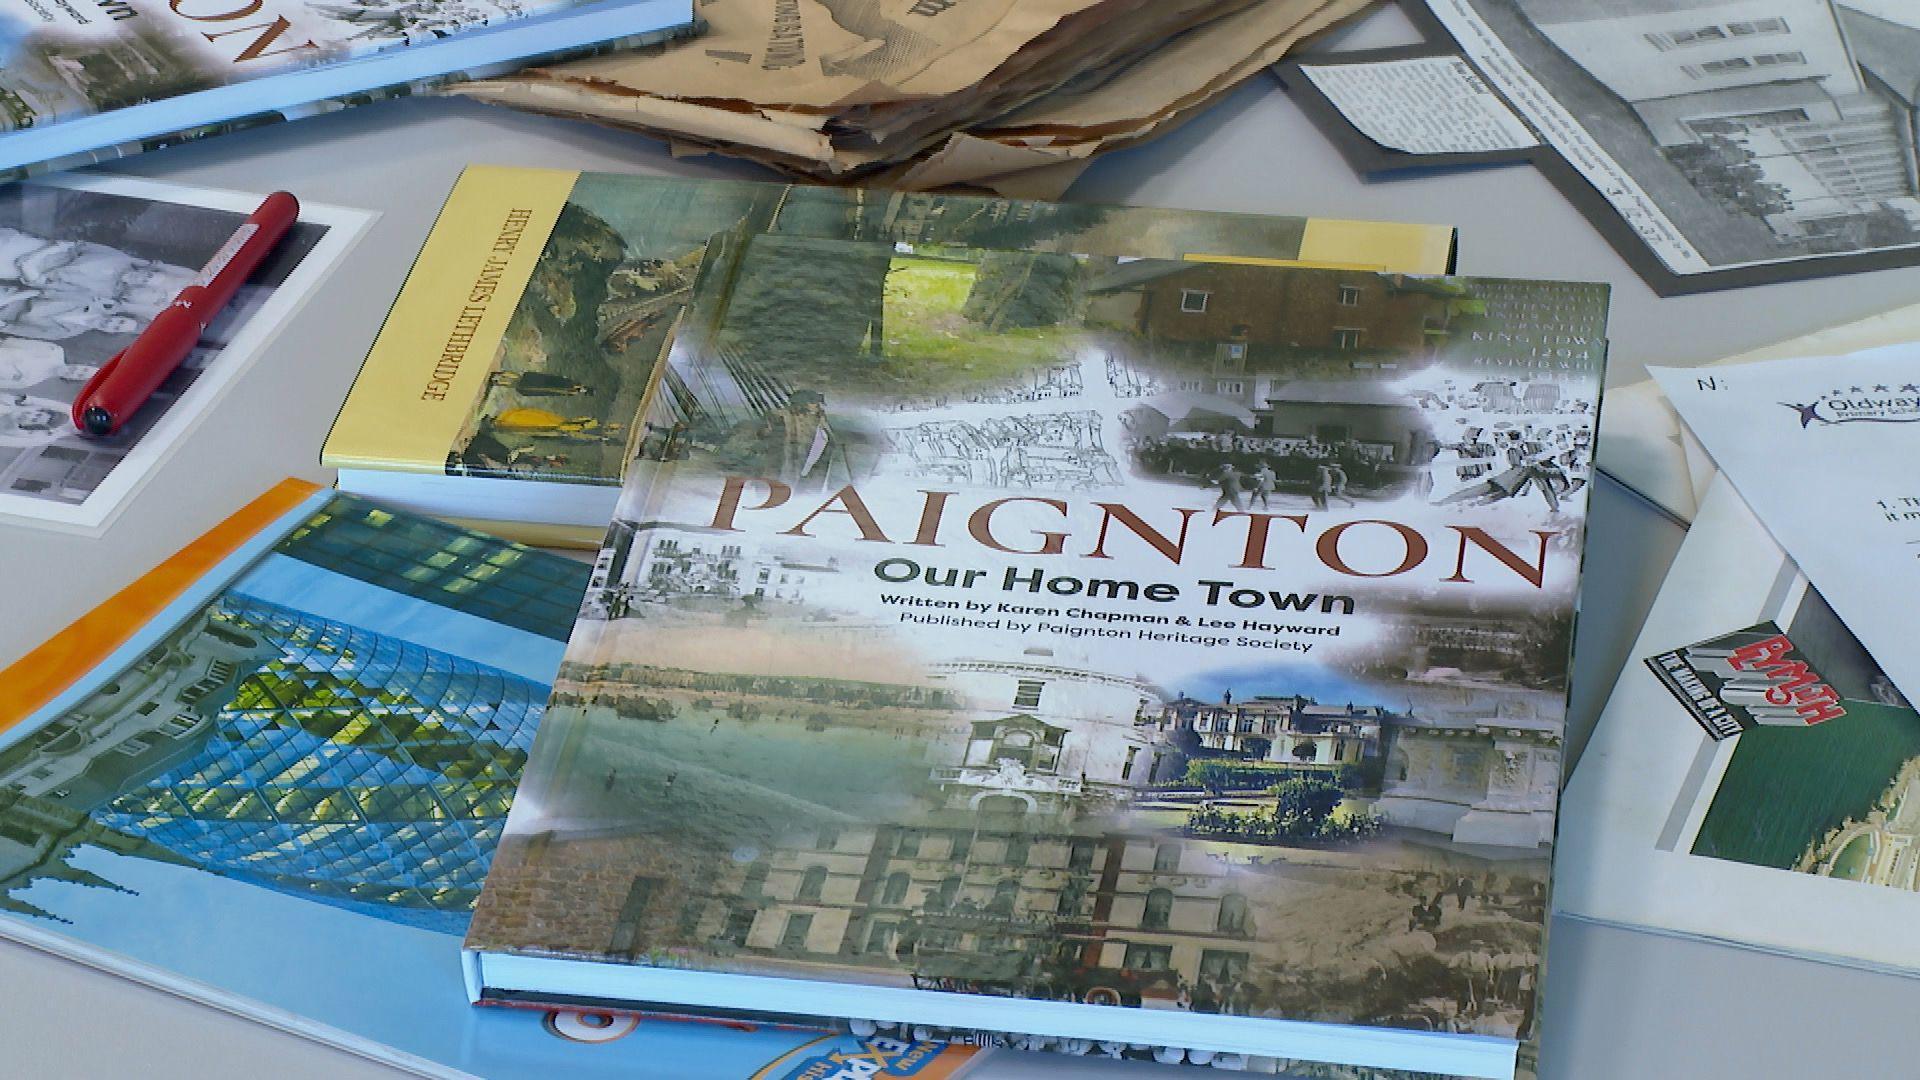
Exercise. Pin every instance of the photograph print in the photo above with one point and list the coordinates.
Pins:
(83, 270)
(1738, 139)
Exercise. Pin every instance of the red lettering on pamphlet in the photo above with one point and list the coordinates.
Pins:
(1794, 683)
(1752, 657)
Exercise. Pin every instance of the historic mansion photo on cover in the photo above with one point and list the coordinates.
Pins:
(1208, 654)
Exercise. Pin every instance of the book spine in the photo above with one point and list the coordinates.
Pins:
(116, 152)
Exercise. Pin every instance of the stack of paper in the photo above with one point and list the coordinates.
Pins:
(1753, 778)
(1015, 97)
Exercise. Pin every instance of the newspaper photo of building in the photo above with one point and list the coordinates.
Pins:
(1728, 133)
(1799, 113)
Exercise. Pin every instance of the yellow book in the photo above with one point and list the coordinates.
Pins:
(504, 387)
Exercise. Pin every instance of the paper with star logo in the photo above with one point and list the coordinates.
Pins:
(1823, 450)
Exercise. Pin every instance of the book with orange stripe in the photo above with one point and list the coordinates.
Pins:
(290, 747)
(37, 677)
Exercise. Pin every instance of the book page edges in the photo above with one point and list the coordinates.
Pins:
(1382, 246)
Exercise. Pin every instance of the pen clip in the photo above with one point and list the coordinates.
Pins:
(83, 400)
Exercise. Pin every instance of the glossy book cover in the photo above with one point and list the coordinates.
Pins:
(1171, 636)
(523, 342)
(291, 748)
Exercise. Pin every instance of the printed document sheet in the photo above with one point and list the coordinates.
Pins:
(1824, 452)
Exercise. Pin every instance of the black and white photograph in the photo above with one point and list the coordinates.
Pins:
(1044, 451)
(1728, 134)
(85, 269)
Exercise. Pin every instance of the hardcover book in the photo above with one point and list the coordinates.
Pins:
(112, 77)
(505, 385)
(269, 775)
(1075, 646)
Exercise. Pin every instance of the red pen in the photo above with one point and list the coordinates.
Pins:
(125, 382)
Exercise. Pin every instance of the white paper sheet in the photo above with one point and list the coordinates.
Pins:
(1827, 452)
(1667, 829)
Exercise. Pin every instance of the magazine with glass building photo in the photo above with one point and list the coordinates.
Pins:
(270, 774)
(983, 626)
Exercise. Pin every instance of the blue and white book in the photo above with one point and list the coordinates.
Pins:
(107, 78)
(290, 748)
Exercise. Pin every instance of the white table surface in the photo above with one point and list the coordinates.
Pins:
(1618, 1005)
